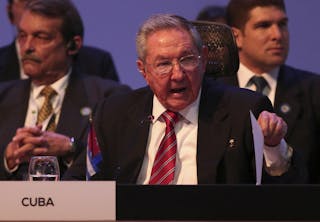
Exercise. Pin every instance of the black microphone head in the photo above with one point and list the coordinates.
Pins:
(148, 119)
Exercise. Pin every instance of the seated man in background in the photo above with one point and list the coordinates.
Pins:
(205, 126)
(261, 31)
(90, 60)
(48, 113)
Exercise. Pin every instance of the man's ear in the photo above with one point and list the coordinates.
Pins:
(74, 45)
(141, 67)
(238, 36)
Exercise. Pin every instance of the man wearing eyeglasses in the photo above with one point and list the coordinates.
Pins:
(183, 129)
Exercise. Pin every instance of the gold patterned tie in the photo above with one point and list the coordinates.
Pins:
(46, 109)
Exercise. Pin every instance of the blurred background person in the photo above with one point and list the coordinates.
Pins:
(223, 58)
(213, 13)
(261, 31)
(90, 60)
(48, 113)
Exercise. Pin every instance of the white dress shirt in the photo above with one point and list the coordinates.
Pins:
(36, 101)
(244, 76)
(186, 133)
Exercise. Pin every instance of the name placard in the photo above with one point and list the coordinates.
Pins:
(61, 200)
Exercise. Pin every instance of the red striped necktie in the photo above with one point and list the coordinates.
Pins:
(165, 161)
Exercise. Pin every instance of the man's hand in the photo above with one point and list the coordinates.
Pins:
(32, 141)
(51, 143)
(273, 128)
(19, 150)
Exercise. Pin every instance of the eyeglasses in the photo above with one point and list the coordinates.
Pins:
(187, 63)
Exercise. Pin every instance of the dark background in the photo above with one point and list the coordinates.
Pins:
(112, 25)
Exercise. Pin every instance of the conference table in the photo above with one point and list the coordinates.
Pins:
(218, 202)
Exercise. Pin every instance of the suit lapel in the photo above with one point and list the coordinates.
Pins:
(229, 80)
(14, 108)
(72, 122)
(288, 98)
(213, 131)
(136, 135)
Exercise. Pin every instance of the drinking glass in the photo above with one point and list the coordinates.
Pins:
(44, 168)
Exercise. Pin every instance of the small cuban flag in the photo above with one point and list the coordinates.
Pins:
(94, 156)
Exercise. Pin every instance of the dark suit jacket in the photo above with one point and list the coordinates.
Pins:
(82, 91)
(297, 102)
(89, 60)
(123, 130)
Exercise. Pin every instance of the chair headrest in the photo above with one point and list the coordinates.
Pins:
(223, 58)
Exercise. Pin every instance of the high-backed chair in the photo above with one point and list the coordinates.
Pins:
(223, 52)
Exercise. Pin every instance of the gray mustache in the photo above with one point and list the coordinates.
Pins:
(31, 57)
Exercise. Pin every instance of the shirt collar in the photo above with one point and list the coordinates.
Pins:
(190, 113)
(59, 86)
(244, 75)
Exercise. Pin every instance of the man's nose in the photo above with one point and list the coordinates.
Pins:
(276, 32)
(27, 46)
(177, 71)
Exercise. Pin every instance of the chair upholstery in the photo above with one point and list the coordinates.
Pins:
(223, 58)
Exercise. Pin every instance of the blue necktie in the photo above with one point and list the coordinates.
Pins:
(259, 82)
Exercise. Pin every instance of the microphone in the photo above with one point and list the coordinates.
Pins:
(148, 119)
(116, 173)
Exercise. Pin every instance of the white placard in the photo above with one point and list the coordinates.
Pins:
(61, 200)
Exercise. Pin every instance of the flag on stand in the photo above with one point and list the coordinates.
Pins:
(94, 156)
